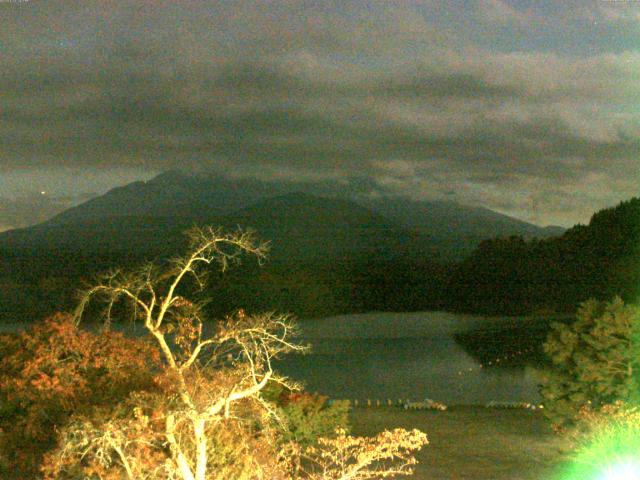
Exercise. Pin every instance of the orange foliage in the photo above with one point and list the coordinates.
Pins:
(387, 455)
(54, 370)
(79, 405)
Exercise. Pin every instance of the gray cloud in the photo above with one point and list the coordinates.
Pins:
(309, 89)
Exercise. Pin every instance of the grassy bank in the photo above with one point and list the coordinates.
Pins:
(473, 443)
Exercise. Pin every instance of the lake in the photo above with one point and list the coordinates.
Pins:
(406, 355)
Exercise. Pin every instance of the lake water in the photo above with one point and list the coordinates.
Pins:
(399, 356)
(403, 355)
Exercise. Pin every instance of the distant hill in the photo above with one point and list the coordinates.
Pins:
(174, 195)
(455, 229)
(441, 218)
(452, 230)
(304, 227)
(327, 255)
(300, 227)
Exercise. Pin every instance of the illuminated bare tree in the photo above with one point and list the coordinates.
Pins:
(244, 345)
(200, 424)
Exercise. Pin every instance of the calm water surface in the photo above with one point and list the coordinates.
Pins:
(399, 356)
(403, 355)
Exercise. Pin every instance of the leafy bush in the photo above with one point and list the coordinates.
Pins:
(593, 361)
(54, 370)
(310, 416)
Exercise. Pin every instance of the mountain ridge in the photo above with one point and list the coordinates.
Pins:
(456, 228)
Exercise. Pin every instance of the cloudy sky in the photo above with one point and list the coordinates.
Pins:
(527, 107)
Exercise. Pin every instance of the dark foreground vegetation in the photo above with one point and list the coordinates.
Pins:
(360, 264)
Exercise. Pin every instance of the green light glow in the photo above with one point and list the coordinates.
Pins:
(613, 454)
(628, 470)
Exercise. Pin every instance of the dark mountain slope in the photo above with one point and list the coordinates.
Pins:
(333, 251)
(454, 229)
(441, 218)
(300, 227)
(318, 241)
(304, 227)
(173, 194)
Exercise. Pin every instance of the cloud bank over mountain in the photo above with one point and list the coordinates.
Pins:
(531, 110)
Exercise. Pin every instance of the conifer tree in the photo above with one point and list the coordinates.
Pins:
(593, 360)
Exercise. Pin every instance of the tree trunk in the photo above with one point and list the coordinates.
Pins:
(176, 452)
(201, 448)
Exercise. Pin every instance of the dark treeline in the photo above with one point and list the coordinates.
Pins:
(34, 287)
(513, 276)
(503, 276)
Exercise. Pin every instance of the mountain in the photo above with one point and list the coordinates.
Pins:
(328, 255)
(300, 228)
(442, 219)
(174, 195)
(334, 247)
(303, 227)
(453, 230)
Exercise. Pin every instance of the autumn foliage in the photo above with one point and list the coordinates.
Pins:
(192, 404)
(55, 370)
(387, 455)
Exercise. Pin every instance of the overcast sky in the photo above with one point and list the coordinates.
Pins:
(527, 107)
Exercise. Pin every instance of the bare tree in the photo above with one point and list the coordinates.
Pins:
(244, 344)
(208, 381)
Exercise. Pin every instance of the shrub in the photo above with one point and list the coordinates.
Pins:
(593, 361)
(54, 370)
(309, 417)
